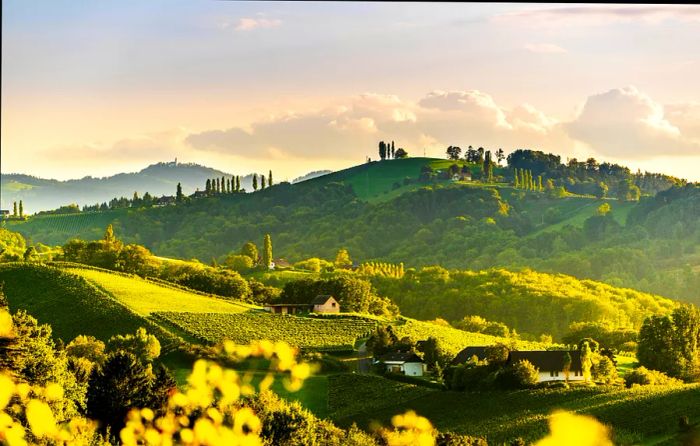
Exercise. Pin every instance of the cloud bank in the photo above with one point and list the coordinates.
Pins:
(618, 123)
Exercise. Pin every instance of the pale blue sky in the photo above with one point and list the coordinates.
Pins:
(246, 85)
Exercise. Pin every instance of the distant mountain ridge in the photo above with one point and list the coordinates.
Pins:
(39, 194)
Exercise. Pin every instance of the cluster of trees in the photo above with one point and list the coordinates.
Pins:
(477, 324)
(590, 176)
(671, 344)
(480, 157)
(387, 151)
(609, 336)
(383, 269)
(17, 211)
(223, 185)
(352, 293)
(523, 179)
(248, 257)
(533, 303)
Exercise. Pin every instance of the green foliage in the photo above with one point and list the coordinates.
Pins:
(671, 344)
(336, 333)
(528, 301)
(314, 264)
(605, 333)
(12, 245)
(352, 293)
(644, 377)
(239, 262)
(249, 249)
(267, 251)
(604, 370)
(342, 259)
(141, 344)
(31, 356)
(521, 375)
(87, 347)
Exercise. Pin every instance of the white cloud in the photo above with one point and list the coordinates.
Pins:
(599, 15)
(545, 48)
(249, 23)
(626, 122)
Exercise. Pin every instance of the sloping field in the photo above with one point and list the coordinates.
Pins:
(146, 297)
(634, 414)
(58, 229)
(69, 303)
(452, 339)
(337, 333)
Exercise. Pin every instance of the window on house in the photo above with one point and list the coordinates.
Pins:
(333, 304)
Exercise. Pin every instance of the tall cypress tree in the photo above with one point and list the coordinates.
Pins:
(267, 251)
(207, 188)
(238, 183)
(21, 209)
(14, 209)
(223, 185)
(178, 195)
(255, 181)
(262, 181)
(392, 149)
(269, 178)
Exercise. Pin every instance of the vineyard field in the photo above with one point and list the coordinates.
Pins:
(305, 332)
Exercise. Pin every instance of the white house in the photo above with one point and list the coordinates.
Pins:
(408, 364)
(551, 364)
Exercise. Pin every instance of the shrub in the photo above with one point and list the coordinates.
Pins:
(520, 375)
(644, 377)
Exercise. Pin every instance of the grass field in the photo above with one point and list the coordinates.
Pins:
(69, 303)
(145, 297)
(306, 332)
(635, 414)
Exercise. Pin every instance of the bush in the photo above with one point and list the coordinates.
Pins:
(646, 377)
(604, 370)
(520, 375)
(239, 262)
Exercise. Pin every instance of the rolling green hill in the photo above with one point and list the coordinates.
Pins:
(456, 225)
(69, 303)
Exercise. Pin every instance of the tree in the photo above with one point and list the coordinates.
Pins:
(567, 366)
(21, 209)
(255, 181)
(238, 183)
(262, 182)
(207, 188)
(601, 190)
(342, 259)
(267, 251)
(87, 347)
(604, 370)
(382, 150)
(239, 262)
(382, 340)
(109, 234)
(30, 254)
(393, 152)
(178, 195)
(500, 156)
(121, 384)
(586, 361)
(14, 209)
(144, 346)
(453, 152)
(269, 178)
(249, 249)
(400, 153)
(604, 209)
(516, 179)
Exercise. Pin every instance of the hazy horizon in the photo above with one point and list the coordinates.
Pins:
(103, 88)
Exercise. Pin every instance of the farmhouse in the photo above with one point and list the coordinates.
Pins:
(468, 353)
(199, 194)
(320, 304)
(551, 364)
(325, 304)
(165, 200)
(406, 363)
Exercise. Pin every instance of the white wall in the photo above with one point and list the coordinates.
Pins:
(413, 369)
(545, 376)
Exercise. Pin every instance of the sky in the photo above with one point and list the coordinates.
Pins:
(97, 88)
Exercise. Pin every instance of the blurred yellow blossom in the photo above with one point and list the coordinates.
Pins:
(567, 429)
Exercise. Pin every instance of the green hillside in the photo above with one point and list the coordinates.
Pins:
(69, 303)
(635, 415)
(57, 229)
(144, 297)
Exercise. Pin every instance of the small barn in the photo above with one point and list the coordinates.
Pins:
(551, 364)
(325, 304)
(405, 363)
(286, 308)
